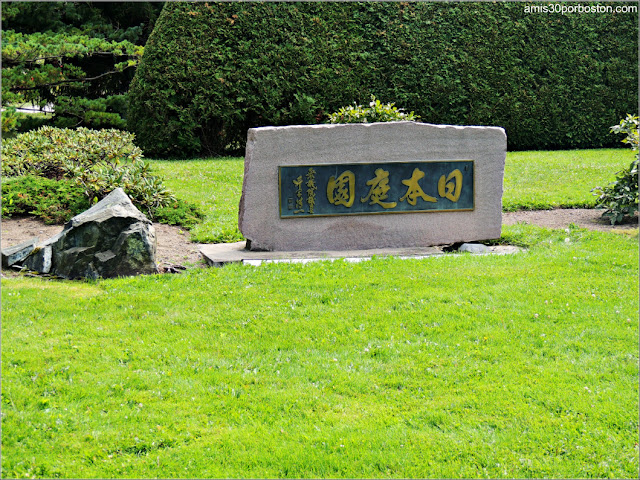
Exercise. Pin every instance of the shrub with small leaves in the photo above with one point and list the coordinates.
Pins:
(375, 112)
(9, 121)
(179, 213)
(55, 201)
(620, 198)
(49, 152)
(96, 161)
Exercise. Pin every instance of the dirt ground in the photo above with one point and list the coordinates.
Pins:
(562, 218)
(175, 249)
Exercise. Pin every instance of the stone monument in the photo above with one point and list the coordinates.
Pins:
(367, 186)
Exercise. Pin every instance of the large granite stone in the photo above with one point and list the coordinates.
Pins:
(111, 239)
(271, 147)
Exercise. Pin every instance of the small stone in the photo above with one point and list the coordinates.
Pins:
(17, 253)
(474, 248)
(39, 259)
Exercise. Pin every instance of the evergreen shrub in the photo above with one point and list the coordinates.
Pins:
(210, 71)
(54, 201)
(30, 121)
(96, 162)
(179, 212)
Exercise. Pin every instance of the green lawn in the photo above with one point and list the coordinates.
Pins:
(511, 366)
(532, 180)
(544, 180)
(505, 366)
(213, 184)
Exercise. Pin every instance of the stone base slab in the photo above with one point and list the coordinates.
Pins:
(217, 255)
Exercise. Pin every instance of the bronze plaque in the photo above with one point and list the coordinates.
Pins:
(373, 188)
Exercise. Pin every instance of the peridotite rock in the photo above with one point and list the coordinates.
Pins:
(111, 239)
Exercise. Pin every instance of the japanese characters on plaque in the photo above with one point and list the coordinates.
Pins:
(360, 188)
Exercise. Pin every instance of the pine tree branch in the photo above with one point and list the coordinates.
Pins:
(62, 82)
(16, 61)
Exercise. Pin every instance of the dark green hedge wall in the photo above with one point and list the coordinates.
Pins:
(210, 71)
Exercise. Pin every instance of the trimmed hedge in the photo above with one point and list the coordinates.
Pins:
(210, 71)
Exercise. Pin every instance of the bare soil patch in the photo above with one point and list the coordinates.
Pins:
(175, 249)
(562, 218)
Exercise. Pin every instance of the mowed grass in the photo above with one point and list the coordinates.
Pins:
(511, 366)
(559, 179)
(461, 366)
(215, 185)
(532, 180)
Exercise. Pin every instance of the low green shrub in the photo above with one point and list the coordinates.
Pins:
(14, 122)
(96, 162)
(180, 213)
(55, 201)
(32, 121)
(50, 152)
(9, 121)
(620, 197)
(375, 112)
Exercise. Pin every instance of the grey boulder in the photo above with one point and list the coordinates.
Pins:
(474, 248)
(17, 253)
(111, 239)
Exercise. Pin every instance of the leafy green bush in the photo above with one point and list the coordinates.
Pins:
(31, 121)
(10, 121)
(14, 122)
(96, 162)
(179, 213)
(50, 152)
(620, 197)
(55, 201)
(210, 71)
(375, 112)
